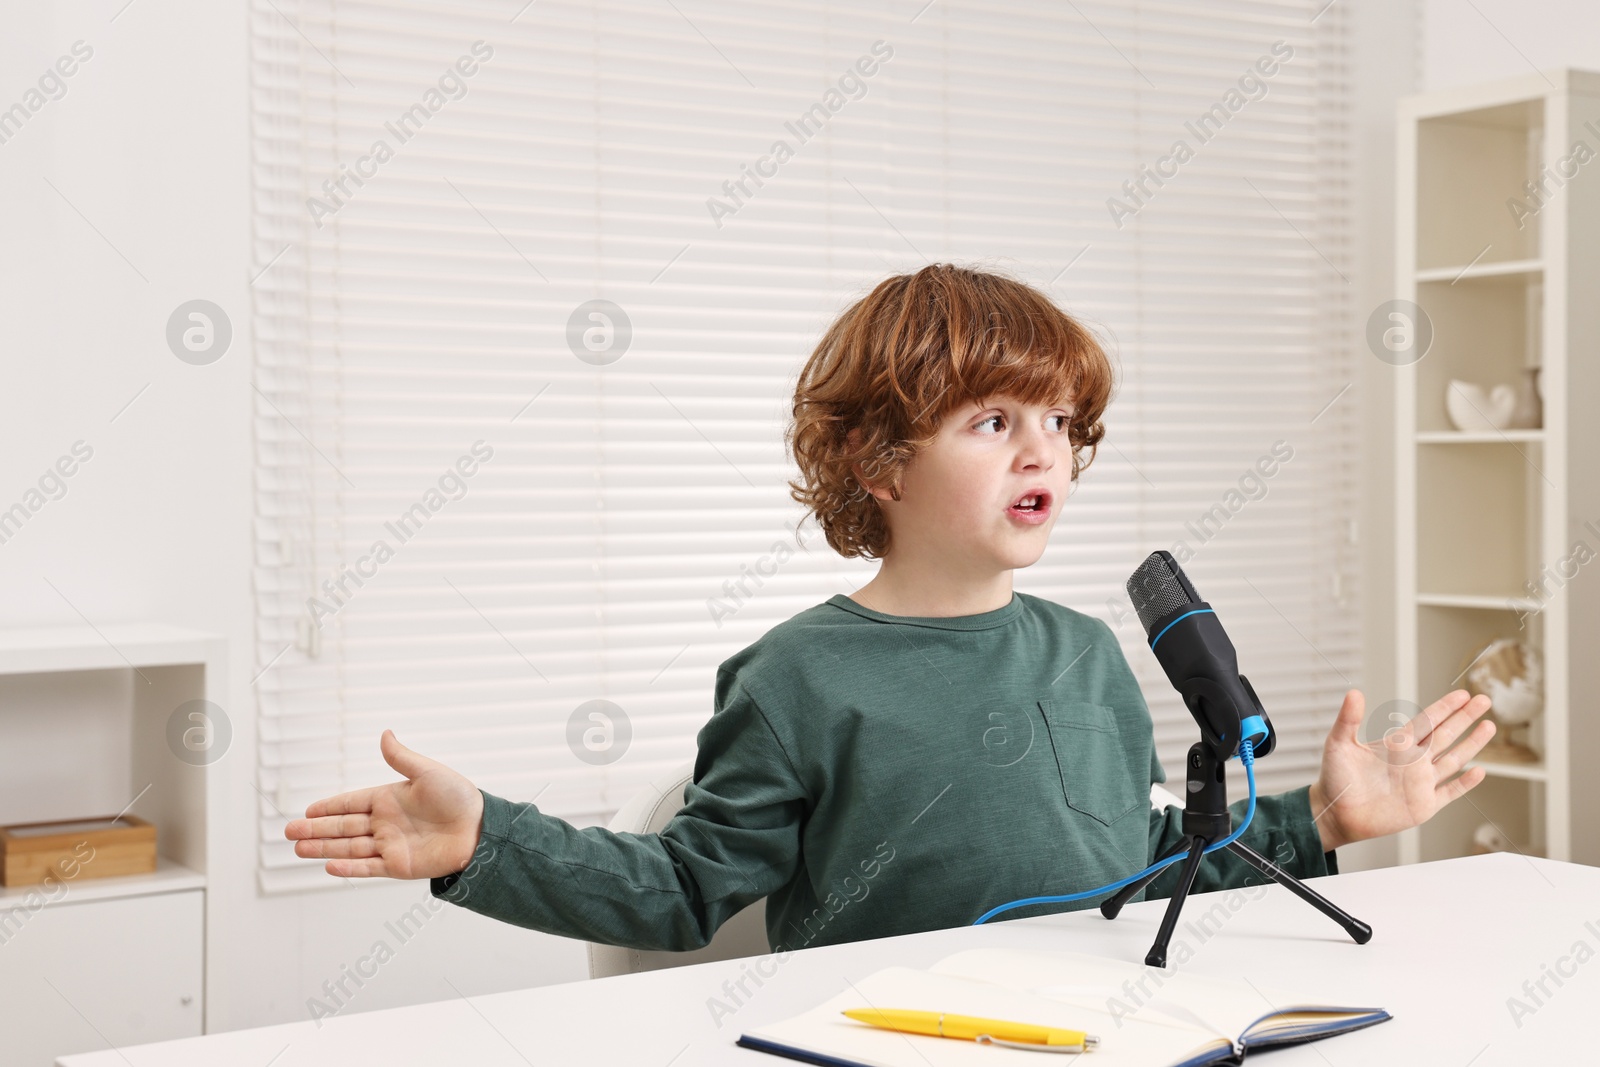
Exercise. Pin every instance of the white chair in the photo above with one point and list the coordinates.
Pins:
(745, 934)
(1162, 797)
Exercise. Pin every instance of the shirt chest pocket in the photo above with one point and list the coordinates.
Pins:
(1098, 775)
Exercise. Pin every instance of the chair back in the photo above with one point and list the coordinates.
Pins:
(745, 934)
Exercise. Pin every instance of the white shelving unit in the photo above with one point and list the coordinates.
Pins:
(1484, 520)
(84, 727)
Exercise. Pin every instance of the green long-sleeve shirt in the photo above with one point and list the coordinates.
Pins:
(876, 774)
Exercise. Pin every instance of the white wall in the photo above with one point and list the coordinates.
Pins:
(151, 144)
(1384, 61)
(1486, 40)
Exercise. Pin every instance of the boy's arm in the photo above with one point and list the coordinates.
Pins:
(1282, 830)
(736, 839)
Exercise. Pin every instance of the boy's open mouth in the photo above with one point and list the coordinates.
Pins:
(1035, 502)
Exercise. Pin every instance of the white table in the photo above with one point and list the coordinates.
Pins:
(1452, 941)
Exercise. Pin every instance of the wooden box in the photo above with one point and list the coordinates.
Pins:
(78, 848)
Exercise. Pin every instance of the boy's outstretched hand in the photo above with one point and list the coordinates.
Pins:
(1368, 789)
(424, 827)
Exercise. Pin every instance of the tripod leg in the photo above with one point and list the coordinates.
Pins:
(1113, 905)
(1157, 956)
(1359, 931)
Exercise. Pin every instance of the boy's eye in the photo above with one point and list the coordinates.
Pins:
(1064, 420)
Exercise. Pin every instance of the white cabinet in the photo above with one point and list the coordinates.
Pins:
(96, 721)
(100, 974)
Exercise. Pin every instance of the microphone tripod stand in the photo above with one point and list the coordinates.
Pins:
(1205, 821)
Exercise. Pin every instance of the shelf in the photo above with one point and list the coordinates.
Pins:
(1467, 163)
(1475, 437)
(168, 877)
(88, 716)
(1477, 521)
(1491, 250)
(1528, 772)
(1487, 331)
(1486, 603)
(85, 648)
(1480, 269)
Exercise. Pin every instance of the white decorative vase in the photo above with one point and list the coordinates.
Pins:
(1473, 409)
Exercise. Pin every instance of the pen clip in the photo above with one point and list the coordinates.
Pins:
(1031, 1046)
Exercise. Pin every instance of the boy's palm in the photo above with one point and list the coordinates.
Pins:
(424, 827)
(1371, 788)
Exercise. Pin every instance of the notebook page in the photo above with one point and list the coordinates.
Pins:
(823, 1029)
(1225, 1006)
(1290, 1025)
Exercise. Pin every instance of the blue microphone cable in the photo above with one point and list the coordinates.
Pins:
(1247, 756)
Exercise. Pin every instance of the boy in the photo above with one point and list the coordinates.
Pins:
(910, 756)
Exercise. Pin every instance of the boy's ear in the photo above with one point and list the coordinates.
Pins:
(866, 481)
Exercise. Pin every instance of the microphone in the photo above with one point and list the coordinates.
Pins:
(1200, 661)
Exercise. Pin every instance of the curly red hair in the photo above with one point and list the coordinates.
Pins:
(897, 361)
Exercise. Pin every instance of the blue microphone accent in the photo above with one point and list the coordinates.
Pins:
(1180, 618)
(1253, 725)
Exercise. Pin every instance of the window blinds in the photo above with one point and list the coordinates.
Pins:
(522, 528)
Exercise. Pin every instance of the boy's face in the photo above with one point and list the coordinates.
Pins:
(957, 498)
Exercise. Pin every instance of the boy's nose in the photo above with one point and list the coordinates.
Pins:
(1033, 449)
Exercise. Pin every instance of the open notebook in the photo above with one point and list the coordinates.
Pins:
(1185, 1021)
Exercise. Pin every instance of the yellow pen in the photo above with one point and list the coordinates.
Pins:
(973, 1028)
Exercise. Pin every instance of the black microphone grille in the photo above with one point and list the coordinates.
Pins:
(1158, 588)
